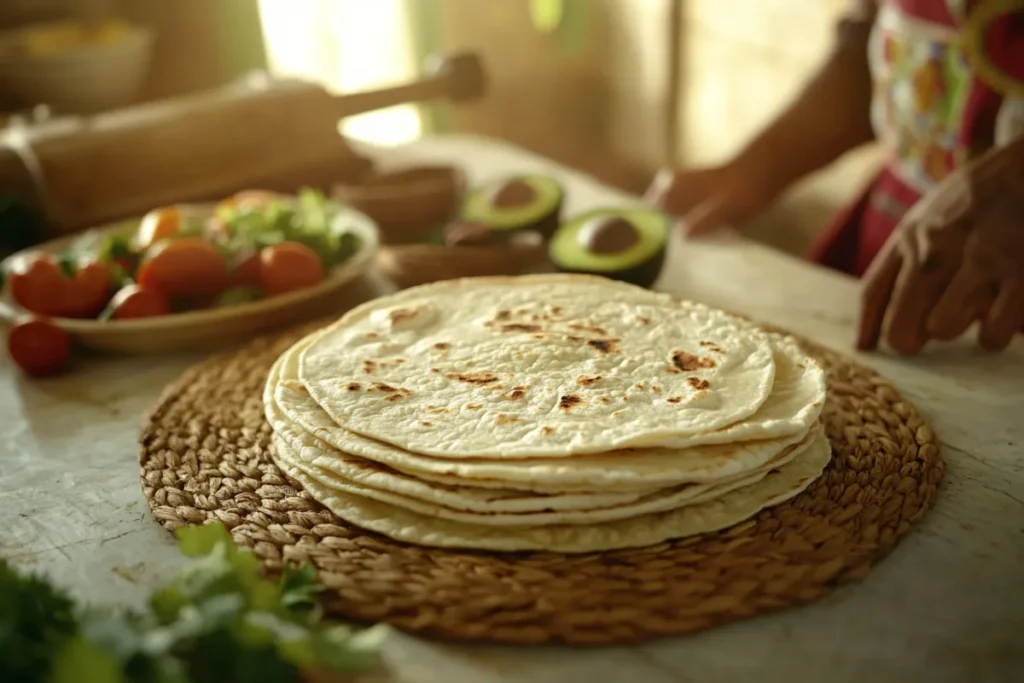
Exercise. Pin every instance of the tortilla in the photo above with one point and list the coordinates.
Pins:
(711, 515)
(451, 502)
(783, 420)
(536, 366)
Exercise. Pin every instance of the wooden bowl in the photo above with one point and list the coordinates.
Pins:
(408, 265)
(406, 202)
(208, 328)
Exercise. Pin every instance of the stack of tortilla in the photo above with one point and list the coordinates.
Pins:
(547, 412)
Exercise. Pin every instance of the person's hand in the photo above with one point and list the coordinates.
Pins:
(707, 199)
(956, 257)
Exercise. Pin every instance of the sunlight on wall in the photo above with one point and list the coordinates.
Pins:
(348, 46)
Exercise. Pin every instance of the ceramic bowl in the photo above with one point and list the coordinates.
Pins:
(207, 328)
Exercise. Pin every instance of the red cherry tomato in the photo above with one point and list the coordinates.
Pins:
(88, 291)
(288, 266)
(246, 271)
(39, 347)
(158, 225)
(184, 268)
(133, 301)
(38, 285)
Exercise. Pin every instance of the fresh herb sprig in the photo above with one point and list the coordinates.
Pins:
(310, 219)
(219, 620)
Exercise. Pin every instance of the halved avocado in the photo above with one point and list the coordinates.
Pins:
(525, 202)
(621, 244)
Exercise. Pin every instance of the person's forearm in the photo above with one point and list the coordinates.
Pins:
(830, 117)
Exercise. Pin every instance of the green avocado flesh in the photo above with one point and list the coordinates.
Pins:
(517, 203)
(610, 241)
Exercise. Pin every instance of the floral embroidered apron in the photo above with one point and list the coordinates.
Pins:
(949, 83)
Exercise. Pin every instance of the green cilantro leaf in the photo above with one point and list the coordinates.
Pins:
(298, 586)
(35, 620)
(197, 541)
(81, 660)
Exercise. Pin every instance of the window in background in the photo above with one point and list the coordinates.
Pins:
(348, 46)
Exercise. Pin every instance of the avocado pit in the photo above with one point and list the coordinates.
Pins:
(608, 235)
(512, 194)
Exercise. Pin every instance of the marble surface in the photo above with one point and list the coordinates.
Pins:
(946, 606)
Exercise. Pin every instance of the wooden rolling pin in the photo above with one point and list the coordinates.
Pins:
(260, 132)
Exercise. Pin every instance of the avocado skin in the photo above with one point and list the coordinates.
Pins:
(643, 274)
(545, 223)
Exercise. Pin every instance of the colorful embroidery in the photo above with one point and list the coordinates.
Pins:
(922, 78)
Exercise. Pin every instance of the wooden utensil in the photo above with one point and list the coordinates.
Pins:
(259, 132)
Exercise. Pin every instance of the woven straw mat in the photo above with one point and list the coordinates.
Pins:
(205, 457)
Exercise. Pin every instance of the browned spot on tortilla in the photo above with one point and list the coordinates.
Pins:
(503, 315)
(604, 399)
(403, 314)
(569, 401)
(504, 419)
(557, 310)
(369, 367)
(354, 386)
(801, 366)
(474, 406)
(574, 338)
(517, 393)
(712, 346)
(684, 361)
(386, 388)
(698, 383)
(473, 377)
(638, 386)
(547, 430)
(585, 381)
(396, 397)
(435, 369)
(587, 328)
(426, 424)
(442, 346)
(644, 320)
(656, 389)
(520, 327)
(372, 335)
(603, 345)
(674, 399)
(816, 404)
(470, 363)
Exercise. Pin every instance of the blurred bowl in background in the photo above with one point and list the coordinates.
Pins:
(406, 203)
(74, 67)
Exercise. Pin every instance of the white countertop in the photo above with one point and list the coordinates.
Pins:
(946, 606)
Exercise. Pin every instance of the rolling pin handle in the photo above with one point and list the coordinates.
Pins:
(455, 77)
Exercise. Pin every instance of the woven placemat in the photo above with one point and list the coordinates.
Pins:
(205, 457)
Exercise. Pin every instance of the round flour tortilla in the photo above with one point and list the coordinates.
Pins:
(535, 366)
(421, 529)
(462, 501)
(447, 503)
(363, 473)
(783, 420)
